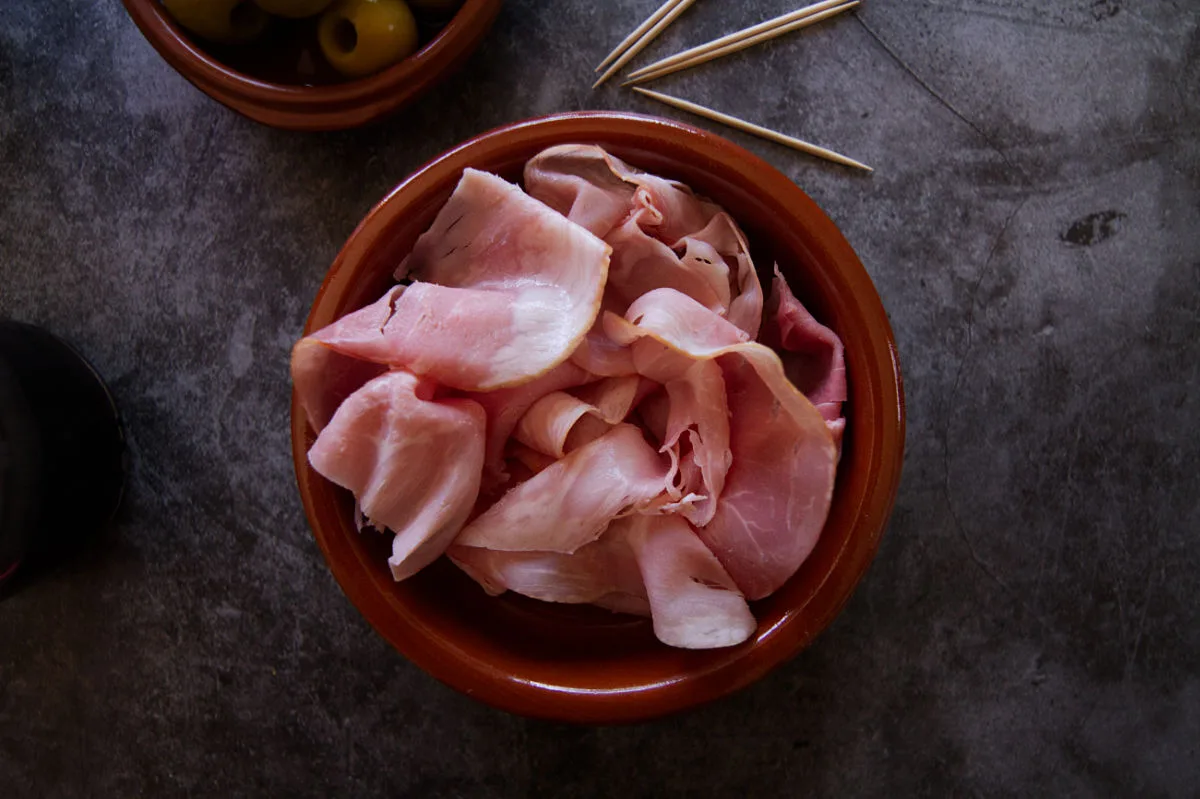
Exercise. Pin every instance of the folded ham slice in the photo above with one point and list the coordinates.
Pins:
(812, 354)
(662, 234)
(783, 457)
(324, 378)
(698, 408)
(604, 572)
(569, 504)
(504, 290)
(560, 422)
(693, 601)
(412, 462)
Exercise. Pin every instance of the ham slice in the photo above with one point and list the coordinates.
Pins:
(505, 289)
(698, 408)
(783, 457)
(569, 504)
(412, 462)
(504, 409)
(604, 572)
(560, 422)
(693, 601)
(812, 354)
(324, 378)
(662, 234)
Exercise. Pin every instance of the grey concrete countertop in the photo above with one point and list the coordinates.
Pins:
(1032, 623)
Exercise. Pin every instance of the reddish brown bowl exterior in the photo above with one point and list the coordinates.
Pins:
(337, 107)
(577, 663)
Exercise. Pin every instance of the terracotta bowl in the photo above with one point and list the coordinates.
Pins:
(577, 663)
(264, 85)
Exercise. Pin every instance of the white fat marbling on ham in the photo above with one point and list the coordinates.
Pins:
(694, 603)
(505, 289)
(412, 462)
(570, 503)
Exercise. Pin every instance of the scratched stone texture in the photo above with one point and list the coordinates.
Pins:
(1032, 623)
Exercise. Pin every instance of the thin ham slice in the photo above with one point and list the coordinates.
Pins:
(560, 422)
(662, 234)
(505, 408)
(693, 601)
(569, 504)
(604, 572)
(783, 457)
(505, 289)
(698, 408)
(324, 378)
(412, 462)
(812, 354)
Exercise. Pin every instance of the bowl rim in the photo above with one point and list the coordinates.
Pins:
(396, 84)
(442, 659)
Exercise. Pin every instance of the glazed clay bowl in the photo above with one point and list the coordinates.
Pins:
(578, 663)
(263, 90)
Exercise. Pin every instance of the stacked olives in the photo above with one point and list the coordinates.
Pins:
(357, 37)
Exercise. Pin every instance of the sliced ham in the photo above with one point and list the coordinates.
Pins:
(569, 504)
(324, 378)
(693, 601)
(604, 572)
(812, 354)
(560, 422)
(783, 457)
(698, 408)
(662, 234)
(504, 290)
(565, 395)
(505, 408)
(412, 462)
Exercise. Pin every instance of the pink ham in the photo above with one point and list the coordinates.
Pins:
(412, 462)
(662, 234)
(693, 601)
(560, 422)
(570, 503)
(603, 573)
(812, 353)
(780, 483)
(505, 408)
(505, 289)
(698, 408)
(324, 378)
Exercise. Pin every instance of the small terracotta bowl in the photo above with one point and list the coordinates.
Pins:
(577, 663)
(263, 89)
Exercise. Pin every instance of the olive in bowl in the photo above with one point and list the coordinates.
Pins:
(279, 76)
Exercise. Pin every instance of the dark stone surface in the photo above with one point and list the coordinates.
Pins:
(1031, 626)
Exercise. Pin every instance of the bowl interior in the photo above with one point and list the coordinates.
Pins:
(581, 663)
(265, 83)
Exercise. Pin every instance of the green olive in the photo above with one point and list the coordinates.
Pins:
(293, 8)
(224, 21)
(359, 37)
(435, 6)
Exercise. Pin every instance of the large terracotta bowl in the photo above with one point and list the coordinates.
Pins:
(577, 663)
(263, 90)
